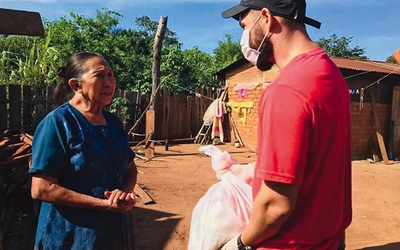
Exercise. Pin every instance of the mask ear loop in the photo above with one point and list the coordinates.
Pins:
(263, 40)
(266, 34)
(255, 22)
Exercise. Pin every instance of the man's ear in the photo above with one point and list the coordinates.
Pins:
(74, 84)
(266, 17)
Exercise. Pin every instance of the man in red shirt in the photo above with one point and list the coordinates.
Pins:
(302, 181)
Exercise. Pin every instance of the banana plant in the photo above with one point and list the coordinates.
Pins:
(39, 66)
(5, 61)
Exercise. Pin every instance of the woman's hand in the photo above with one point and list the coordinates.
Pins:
(119, 201)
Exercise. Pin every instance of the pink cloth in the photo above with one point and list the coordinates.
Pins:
(218, 129)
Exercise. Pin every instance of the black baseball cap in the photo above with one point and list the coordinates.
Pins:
(292, 9)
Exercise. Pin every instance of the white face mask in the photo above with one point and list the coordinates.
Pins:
(249, 53)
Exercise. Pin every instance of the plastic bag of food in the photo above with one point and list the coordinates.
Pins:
(224, 211)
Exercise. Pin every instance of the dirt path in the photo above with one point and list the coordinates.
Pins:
(178, 178)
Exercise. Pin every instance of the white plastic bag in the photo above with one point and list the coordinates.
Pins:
(221, 162)
(221, 214)
(224, 211)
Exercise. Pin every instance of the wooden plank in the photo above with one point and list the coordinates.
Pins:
(183, 123)
(394, 145)
(173, 117)
(15, 98)
(143, 195)
(40, 107)
(238, 138)
(27, 108)
(3, 109)
(17, 22)
(374, 149)
(378, 129)
(175, 112)
(27, 138)
(15, 159)
(189, 116)
(196, 116)
(167, 127)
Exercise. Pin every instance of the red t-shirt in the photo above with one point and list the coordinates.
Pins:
(304, 139)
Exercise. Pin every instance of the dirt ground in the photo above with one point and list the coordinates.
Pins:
(176, 179)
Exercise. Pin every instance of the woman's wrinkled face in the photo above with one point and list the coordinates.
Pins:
(97, 84)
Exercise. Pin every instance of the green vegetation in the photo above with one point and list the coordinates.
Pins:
(35, 60)
(119, 107)
(340, 47)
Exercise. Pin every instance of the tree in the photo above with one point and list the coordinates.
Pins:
(39, 66)
(129, 52)
(12, 47)
(28, 60)
(227, 52)
(391, 59)
(340, 47)
(200, 68)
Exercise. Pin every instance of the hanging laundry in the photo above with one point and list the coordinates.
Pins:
(218, 129)
(242, 109)
(242, 92)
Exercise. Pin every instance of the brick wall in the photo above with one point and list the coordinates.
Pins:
(254, 80)
(363, 128)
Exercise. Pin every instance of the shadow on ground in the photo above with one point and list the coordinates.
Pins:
(152, 229)
(390, 246)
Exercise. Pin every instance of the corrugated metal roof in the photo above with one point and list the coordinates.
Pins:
(342, 63)
(368, 66)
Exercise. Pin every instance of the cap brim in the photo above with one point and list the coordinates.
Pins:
(312, 22)
(234, 11)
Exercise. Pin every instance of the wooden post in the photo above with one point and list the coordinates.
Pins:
(167, 101)
(378, 129)
(15, 97)
(149, 145)
(3, 109)
(150, 114)
(162, 27)
(27, 108)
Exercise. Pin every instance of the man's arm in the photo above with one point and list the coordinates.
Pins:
(271, 208)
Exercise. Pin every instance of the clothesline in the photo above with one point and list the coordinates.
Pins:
(193, 92)
(361, 90)
(380, 79)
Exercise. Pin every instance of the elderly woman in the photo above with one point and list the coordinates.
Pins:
(82, 166)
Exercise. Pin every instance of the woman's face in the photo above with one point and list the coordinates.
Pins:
(97, 84)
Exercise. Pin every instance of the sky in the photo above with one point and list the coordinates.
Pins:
(372, 24)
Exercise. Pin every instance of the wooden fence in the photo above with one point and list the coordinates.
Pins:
(180, 116)
(177, 116)
(23, 107)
